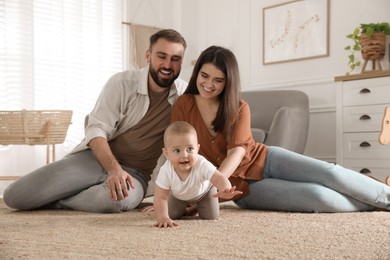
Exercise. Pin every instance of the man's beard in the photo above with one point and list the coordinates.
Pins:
(164, 83)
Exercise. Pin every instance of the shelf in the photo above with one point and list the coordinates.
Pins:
(366, 75)
(35, 127)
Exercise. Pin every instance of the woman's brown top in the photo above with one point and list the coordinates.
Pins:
(214, 148)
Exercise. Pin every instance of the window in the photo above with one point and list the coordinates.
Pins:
(58, 54)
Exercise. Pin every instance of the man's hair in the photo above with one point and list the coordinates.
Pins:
(169, 35)
(179, 127)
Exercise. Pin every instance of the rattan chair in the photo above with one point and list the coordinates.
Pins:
(34, 127)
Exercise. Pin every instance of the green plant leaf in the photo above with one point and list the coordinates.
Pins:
(356, 32)
(370, 31)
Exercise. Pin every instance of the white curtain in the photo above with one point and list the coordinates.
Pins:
(56, 54)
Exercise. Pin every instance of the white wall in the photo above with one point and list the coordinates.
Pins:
(237, 24)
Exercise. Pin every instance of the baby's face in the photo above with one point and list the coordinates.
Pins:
(181, 151)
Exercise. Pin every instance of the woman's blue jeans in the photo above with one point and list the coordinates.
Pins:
(294, 182)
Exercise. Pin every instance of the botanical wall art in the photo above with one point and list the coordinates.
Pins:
(295, 30)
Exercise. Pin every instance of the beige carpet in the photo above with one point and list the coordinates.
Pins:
(238, 234)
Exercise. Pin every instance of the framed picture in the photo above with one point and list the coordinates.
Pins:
(295, 30)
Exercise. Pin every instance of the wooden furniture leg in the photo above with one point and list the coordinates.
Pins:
(379, 64)
(374, 65)
(364, 66)
(53, 156)
(48, 142)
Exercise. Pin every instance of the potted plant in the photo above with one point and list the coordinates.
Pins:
(370, 40)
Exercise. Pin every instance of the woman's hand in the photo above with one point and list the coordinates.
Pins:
(232, 161)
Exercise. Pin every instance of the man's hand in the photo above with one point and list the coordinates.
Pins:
(119, 184)
(227, 193)
(118, 181)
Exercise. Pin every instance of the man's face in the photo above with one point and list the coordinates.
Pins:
(165, 59)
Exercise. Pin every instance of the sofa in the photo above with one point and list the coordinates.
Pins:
(279, 117)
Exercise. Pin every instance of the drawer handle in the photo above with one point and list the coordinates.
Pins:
(365, 144)
(365, 171)
(365, 91)
(365, 117)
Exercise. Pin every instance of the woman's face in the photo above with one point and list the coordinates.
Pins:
(210, 81)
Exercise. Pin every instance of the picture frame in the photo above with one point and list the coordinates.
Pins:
(295, 30)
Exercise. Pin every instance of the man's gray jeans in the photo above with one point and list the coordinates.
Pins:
(75, 182)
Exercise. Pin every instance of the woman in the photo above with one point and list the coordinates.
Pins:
(271, 178)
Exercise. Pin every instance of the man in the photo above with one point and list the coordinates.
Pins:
(109, 170)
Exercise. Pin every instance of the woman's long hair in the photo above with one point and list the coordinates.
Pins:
(229, 98)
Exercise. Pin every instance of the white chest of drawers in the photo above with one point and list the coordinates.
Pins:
(360, 107)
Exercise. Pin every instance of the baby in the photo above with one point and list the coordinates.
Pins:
(187, 178)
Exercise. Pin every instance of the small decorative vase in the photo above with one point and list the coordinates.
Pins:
(373, 49)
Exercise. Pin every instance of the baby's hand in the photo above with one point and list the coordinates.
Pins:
(165, 222)
(227, 193)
